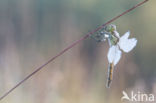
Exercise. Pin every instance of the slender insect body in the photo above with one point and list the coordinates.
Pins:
(110, 74)
(117, 45)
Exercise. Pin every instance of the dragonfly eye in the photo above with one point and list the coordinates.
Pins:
(110, 28)
(113, 27)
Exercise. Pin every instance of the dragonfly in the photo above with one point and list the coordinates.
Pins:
(117, 45)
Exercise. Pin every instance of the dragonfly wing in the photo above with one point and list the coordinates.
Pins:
(114, 54)
(117, 34)
(127, 44)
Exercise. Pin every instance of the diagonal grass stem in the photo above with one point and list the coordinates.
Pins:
(69, 47)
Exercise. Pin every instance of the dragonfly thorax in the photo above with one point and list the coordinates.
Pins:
(113, 40)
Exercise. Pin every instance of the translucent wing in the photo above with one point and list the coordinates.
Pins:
(114, 54)
(117, 34)
(127, 44)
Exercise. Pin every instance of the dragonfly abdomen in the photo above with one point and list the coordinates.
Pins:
(110, 74)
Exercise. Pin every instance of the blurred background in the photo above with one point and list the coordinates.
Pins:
(33, 31)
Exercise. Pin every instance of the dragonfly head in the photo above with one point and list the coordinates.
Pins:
(110, 28)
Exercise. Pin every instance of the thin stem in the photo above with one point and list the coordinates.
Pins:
(69, 47)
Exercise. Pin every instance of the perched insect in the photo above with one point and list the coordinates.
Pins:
(117, 44)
